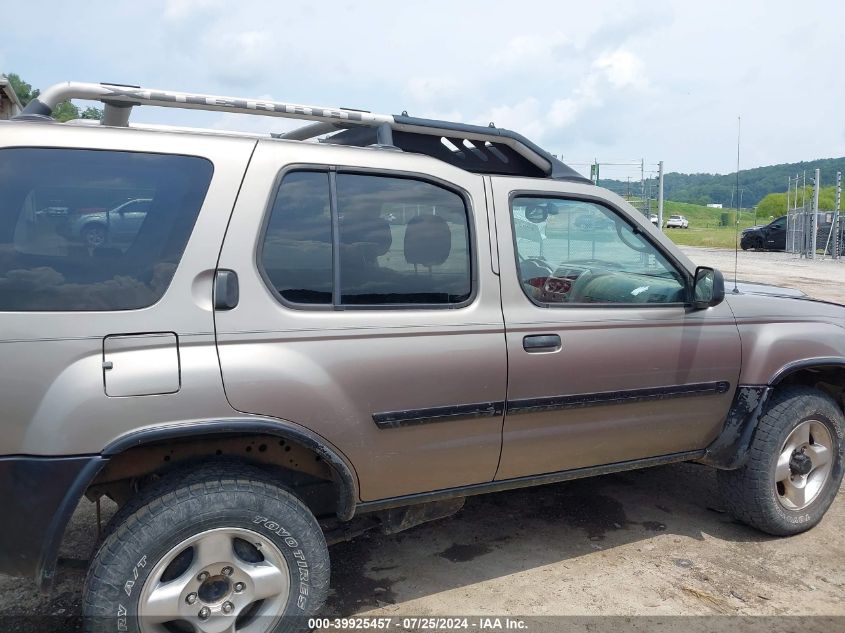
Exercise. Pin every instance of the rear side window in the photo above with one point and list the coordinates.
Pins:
(297, 253)
(94, 230)
(365, 240)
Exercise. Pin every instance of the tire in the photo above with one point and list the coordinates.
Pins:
(94, 235)
(767, 495)
(221, 538)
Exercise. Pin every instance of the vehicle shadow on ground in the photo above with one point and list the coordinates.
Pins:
(504, 533)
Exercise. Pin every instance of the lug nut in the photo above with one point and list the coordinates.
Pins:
(228, 607)
(204, 613)
(203, 576)
(191, 598)
(227, 571)
(239, 586)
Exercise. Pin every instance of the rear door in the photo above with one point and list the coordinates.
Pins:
(368, 312)
(606, 363)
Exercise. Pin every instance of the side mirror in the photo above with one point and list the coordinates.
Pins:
(708, 288)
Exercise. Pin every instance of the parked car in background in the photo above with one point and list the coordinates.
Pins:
(115, 227)
(677, 222)
(771, 236)
(654, 219)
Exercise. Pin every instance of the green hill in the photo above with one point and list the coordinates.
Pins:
(755, 184)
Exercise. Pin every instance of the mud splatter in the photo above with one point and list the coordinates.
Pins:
(354, 590)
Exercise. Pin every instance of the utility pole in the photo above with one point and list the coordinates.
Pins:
(788, 216)
(837, 219)
(815, 223)
(642, 182)
(660, 195)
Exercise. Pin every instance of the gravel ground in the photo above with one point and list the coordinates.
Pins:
(644, 543)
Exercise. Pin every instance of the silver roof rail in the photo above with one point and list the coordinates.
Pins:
(475, 148)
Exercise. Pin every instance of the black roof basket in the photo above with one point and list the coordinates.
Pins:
(483, 150)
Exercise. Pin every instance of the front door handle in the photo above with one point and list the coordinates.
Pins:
(226, 289)
(541, 343)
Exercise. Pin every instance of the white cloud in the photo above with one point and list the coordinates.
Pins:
(622, 68)
(528, 50)
(430, 89)
(525, 117)
(241, 57)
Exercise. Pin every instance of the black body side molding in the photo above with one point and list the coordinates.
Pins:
(729, 451)
(628, 396)
(413, 417)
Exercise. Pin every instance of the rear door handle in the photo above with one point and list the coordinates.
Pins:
(541, 343)
(226, 289)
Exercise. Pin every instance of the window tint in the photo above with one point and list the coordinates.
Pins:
(94, 230)
(297, 252)
(573, 252)
(401, 241)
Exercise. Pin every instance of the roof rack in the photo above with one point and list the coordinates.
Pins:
(486, 150)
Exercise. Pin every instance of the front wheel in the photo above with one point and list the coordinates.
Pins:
(795, 464)
(220, 552)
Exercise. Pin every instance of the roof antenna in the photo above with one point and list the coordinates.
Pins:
(736, 197)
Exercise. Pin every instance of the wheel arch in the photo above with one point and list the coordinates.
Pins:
(729, 450)
(344, 479)
(343, 475)
(822, 369)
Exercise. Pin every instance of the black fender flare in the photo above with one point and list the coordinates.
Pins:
(344, 476)
(345, 479)
(729, 450)
(805, 363)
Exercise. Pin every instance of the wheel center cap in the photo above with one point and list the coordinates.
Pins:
(800, 464)
(214, 589)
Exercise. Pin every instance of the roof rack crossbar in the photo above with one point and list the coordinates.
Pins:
(120, 99)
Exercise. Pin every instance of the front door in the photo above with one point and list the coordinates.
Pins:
(606, 362)
(369, 312)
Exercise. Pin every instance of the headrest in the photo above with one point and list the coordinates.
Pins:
(370, 233)
(428, 240)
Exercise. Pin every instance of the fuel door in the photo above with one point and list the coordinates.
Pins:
(141, 364)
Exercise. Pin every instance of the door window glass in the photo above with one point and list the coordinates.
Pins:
(91, 229)
(297, 251)
(575, 252)
(399, 241)
(402, 241)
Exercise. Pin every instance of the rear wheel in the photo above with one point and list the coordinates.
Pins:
(795, 464)
(224, 551)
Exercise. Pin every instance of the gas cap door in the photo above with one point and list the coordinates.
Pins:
(141, 364)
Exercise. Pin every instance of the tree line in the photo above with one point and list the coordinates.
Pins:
(65, 111)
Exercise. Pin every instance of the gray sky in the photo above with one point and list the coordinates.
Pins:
(586, 79)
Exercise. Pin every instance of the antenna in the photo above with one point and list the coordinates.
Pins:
(736, 197)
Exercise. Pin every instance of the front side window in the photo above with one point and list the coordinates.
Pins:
(93, 229)
(575, 252)
(392, 241)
